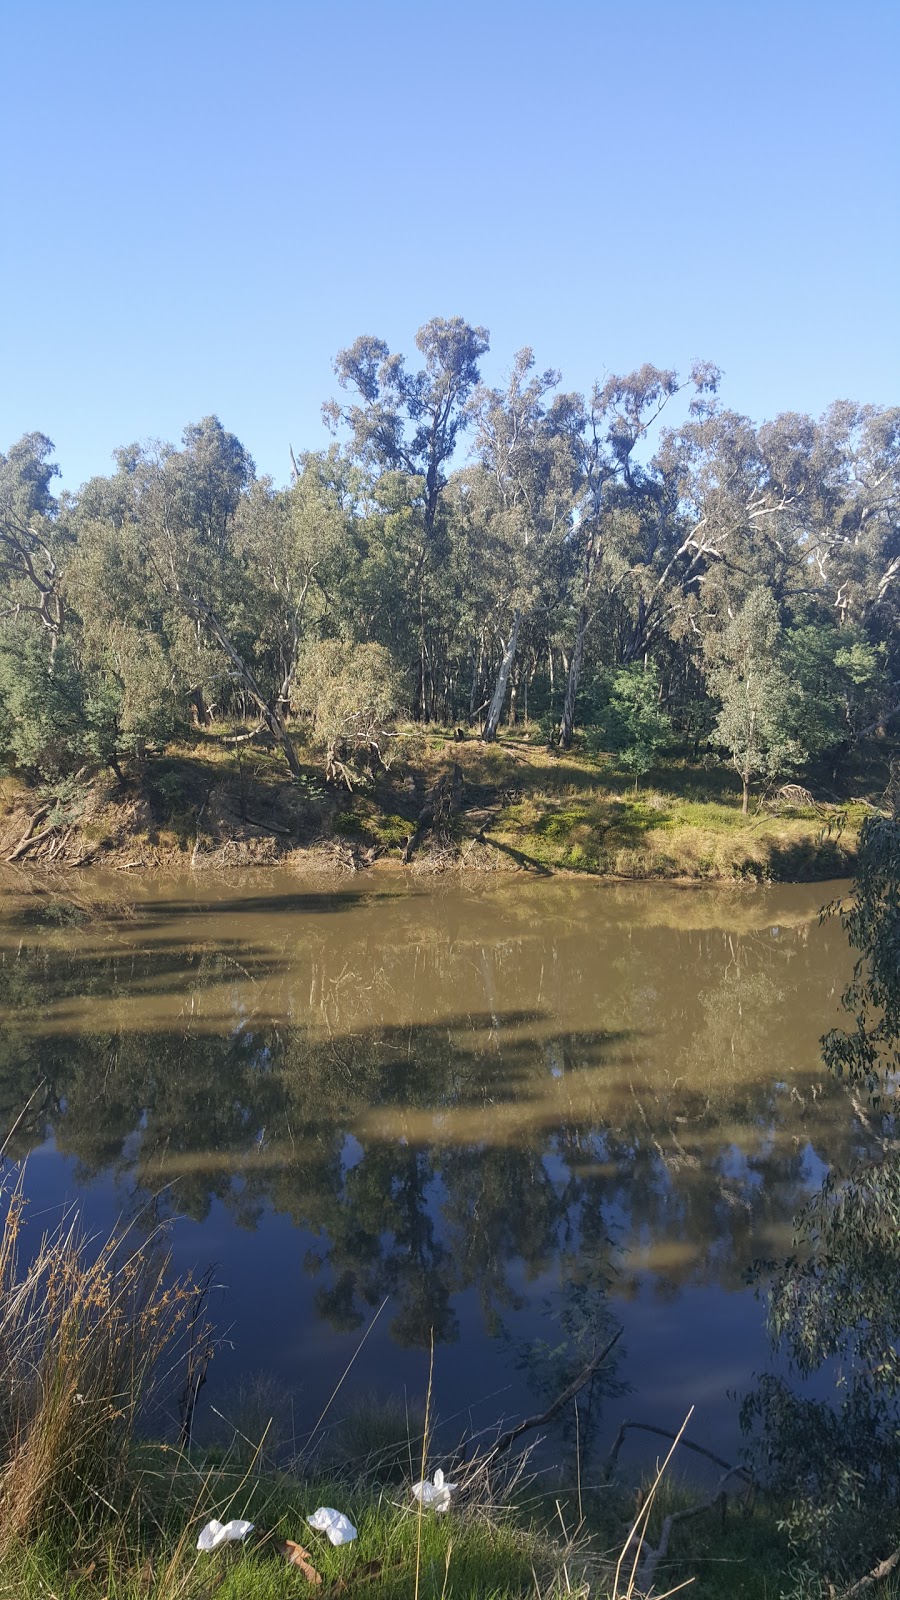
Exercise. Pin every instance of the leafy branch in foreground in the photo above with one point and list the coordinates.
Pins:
(836, 1301)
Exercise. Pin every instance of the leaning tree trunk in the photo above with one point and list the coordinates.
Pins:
(489, 732)
(271, 714)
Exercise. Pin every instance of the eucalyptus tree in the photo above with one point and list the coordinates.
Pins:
(293, 548)
(186, 508)
(630, 544)
(526, 486)
(31, 549)
(854, 545)
(52, 719)
(409, 422)
(755, 724)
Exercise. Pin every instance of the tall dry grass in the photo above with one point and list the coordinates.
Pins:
(91, 1331)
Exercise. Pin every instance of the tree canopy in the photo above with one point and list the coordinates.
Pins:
(640, 558)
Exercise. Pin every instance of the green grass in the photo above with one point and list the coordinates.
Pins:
(471, 1552)
(655, 834)
(538, 1546)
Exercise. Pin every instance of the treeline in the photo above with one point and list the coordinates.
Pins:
(465, 554)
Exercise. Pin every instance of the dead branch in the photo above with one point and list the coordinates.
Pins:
(243, 738)
(653, 1555)
(26, 839)
(27, 844)
(441, 805)
(196, 850)
(569, 1393)
(666, 1433)
(59, 845)
(882, 1570)
(265, 827)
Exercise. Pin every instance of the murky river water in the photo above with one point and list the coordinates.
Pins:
(516, 1114)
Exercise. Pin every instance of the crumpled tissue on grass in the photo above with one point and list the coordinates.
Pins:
(339, 1528)
(216, 1533)
(435, 1494)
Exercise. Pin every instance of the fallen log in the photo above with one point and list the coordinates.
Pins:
(28, 838)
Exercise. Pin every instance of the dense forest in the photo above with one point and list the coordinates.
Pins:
(465, 555)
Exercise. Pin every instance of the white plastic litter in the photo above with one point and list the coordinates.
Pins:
(435, 1494)
(216, 1533)
(339, 1528)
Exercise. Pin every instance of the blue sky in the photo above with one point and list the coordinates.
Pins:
(203, 202)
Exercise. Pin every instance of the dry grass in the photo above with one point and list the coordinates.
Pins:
(90, 1332)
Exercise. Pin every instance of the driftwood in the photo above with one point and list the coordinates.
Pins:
(29, 837)
(441, 806)
(569, 1393)
(60, 844)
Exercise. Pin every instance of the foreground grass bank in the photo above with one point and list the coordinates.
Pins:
(511, 806)
(483, 1550)
(101, 1342)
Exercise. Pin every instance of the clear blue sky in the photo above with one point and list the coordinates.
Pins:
(203, 202)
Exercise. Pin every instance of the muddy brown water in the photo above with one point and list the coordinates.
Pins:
(512, 1115)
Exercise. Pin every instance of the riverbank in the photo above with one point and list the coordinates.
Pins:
(100, 1338)
(531, 1546)
(449, 804)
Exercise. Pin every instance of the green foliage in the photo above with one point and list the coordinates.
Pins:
(352, 694)
(149, 711)
(49, 721)
(836, 1302)
(635, 723)
(751, 569)
(834, 675)
(756, 722)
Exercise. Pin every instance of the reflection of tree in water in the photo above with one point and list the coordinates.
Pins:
(489, 1149)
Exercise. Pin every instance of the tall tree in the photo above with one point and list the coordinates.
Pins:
(30, 544)
(409, 422)
(755, 722)
(527, 482)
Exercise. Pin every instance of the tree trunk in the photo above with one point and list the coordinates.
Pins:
(567, 725)
(270, 714)
(746, 799)
(202, 712)
(513, 713)
(475, 695)
(489, 732)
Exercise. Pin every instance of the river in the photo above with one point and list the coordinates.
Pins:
(511, 1114)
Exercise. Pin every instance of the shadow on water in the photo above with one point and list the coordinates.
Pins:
(445, 1103)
